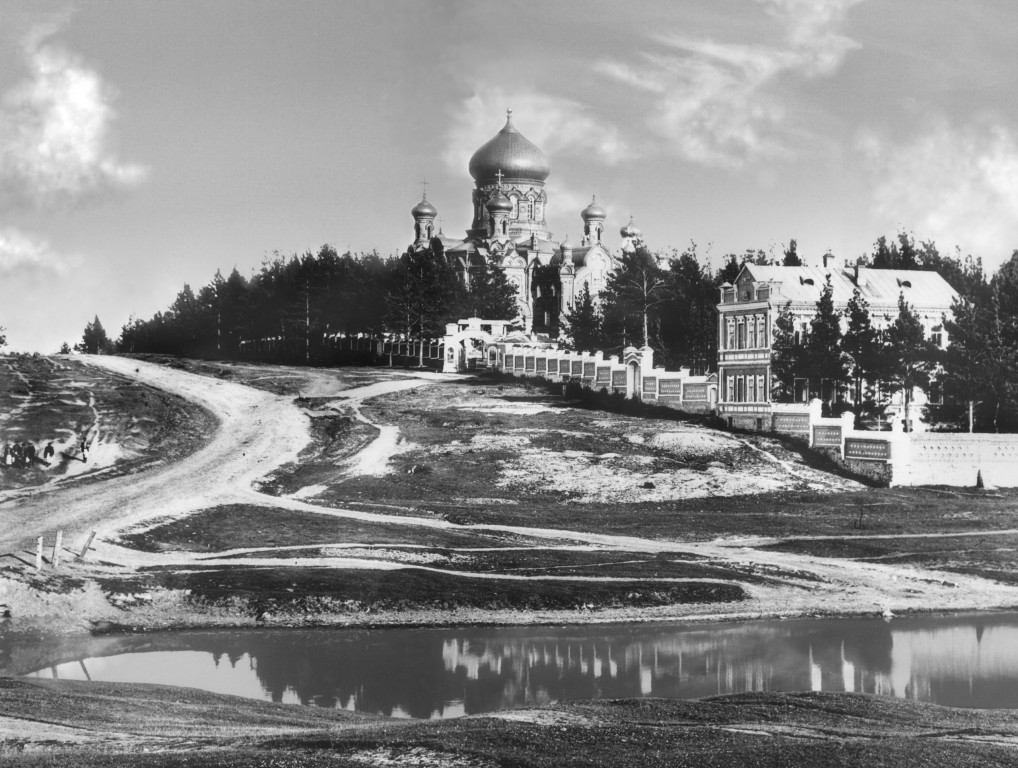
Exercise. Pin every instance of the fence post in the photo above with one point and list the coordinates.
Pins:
(56, 549)
(88, 544)
(38, 555)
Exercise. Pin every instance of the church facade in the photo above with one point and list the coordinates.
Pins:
(509, 230)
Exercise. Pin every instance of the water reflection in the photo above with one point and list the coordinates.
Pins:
(957, 661)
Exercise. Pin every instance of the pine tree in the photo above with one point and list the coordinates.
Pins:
(688, 318)
(824, 356)
(94, 340)
(787, 357)
(791, 258)
(584, 323)
(491, 296)
(909, 357)
(425, 295)
(634, 293)
(861, 343)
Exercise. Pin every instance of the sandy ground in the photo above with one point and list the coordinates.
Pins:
(259, 432)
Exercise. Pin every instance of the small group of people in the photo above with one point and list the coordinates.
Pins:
(24, 454)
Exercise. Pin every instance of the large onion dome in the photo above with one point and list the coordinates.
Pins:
(593, 211)
(510, 152)
(424, 210)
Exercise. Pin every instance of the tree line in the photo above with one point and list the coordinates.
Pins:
(301, 301)
(663, 300)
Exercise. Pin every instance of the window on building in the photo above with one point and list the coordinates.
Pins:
(526, 208)
(761, 393)
(761, 332)
(539, 210)
(730, 389)
(742, 334)
(800, 389)
(937, 337)
(731, 335)
(751, 389)
(936, 393)
(752, 333)
(516, 207)
(827, 390)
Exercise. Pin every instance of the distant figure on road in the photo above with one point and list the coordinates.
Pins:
(29, 454)
(5, 454)
(48, 451)
(16, 455)
(84, 448)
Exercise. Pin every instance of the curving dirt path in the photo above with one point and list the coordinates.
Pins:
(257, 433)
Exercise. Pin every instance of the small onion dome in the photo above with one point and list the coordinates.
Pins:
(566, 245)
(593, 211)
(499, 202)
(510, 152)
(424, 210)
(629, 230)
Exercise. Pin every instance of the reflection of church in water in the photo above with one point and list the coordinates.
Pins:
(509, 230)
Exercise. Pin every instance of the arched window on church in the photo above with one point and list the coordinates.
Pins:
(526, 208)
(516, 207)
(539, 210)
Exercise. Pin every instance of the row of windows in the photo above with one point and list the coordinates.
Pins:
(750, 293)
(746, 389)
(749, 332)
(526, 208)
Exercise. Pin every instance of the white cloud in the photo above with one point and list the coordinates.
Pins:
(22, 253)
(556, 125)
(55, 133)
(957, 186)
(719, 103)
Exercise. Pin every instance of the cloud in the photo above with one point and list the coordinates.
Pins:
(719, 103)
(559, 126)
(55, 133)
(958, 186)
(21, 253)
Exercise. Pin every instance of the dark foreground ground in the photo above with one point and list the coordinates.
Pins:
(57, 723)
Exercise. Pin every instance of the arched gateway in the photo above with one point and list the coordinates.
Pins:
(471, 344)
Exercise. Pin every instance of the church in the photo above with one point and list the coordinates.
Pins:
(510, 230)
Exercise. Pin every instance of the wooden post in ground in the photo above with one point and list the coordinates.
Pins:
(88, 544)
(56, 549)
(38, 555)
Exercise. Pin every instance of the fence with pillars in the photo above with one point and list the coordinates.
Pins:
(898, 458)
(632, 374)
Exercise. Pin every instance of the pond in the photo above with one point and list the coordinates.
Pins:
(960, 660)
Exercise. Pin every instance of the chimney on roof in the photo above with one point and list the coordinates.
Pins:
(826, 257)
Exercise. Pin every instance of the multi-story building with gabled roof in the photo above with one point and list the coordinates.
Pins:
(749, 307)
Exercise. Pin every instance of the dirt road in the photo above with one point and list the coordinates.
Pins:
(257, 432)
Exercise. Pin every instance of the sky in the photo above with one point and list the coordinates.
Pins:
(145, 144)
